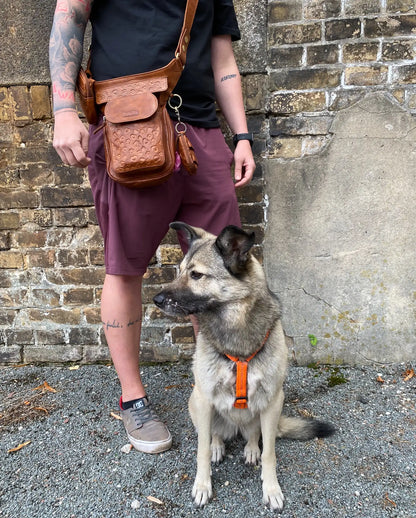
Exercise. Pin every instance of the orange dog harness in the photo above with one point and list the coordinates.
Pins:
(241, 378)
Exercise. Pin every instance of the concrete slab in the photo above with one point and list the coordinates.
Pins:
(24, 40)
(340, 241)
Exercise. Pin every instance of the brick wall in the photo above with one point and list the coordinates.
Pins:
(321, 56)
(51, 254)
(325, 55)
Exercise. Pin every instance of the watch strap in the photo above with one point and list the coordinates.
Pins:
(243, 136)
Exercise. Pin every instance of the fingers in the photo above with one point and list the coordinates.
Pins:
(244, 180)
(244, 165)
(72, 154)
(80, 155)
(71, 139)
(244, 174)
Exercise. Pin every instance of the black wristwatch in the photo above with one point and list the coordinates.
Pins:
(243, 136)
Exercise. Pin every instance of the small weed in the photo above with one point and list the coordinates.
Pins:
(313, 340)
(336, 377)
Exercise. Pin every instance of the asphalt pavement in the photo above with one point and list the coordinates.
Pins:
(64, 453)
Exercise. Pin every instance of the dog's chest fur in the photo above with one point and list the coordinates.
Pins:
(216, 376)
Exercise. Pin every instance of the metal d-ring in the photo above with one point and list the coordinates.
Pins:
(183, 125)
(179, 124)
(176, 108)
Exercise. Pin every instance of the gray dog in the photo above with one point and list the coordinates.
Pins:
(241, 357)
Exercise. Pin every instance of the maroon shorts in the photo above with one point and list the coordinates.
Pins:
(134, 221)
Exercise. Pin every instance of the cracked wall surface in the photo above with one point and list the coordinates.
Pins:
(340, 241)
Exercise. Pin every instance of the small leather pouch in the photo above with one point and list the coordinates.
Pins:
(187, 154)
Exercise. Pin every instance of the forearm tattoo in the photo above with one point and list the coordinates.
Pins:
(65, 49)
(229, 76)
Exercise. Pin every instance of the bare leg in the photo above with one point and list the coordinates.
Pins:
(121, 313)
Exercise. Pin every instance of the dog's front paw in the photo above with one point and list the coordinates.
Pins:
(252, 454)
(273, 496)
(201, 492)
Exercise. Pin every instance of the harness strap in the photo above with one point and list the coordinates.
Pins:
(241, 377)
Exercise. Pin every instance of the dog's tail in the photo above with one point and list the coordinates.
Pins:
(303, 429)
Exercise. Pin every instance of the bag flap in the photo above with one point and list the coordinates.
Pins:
(130, 85)
(131, 108)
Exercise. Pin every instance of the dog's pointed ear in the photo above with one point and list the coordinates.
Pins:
(191, 233)
(234, 245)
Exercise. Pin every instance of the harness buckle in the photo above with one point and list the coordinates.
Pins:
(240, 402)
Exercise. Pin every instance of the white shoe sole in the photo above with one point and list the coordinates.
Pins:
(151, 446)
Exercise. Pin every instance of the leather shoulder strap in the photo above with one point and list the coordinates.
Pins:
(184, 38)
(109, 88)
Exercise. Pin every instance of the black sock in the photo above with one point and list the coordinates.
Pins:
(125, 405)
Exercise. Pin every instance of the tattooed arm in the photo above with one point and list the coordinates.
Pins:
(65, 56)
(230, 99)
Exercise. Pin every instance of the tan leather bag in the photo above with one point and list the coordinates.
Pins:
(85, 88)
(139, 137)
(139, 140)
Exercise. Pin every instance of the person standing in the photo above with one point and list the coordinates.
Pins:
(130, 37)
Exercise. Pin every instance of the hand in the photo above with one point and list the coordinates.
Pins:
(244, 164)
(71, 139)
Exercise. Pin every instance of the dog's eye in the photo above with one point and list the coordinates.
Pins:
(196, 275)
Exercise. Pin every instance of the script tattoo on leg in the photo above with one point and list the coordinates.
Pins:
(112, 325)
(133, 322)
(115, 324)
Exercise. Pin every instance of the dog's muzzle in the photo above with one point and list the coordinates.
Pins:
(182, 302)
(168, 304)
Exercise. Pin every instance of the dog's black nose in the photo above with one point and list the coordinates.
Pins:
(159, 299)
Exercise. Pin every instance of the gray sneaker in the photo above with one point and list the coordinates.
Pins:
(145, 430)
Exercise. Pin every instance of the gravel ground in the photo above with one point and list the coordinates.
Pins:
(75, 467)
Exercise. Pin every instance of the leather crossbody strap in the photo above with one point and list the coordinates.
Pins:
(111, 88)
(184, 38)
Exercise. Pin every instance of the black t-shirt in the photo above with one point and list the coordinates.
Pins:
(134, 36)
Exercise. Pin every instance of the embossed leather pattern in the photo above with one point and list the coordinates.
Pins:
(140, 153)
(131, 86)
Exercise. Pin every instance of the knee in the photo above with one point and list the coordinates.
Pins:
(116, 286)
(123, 279)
